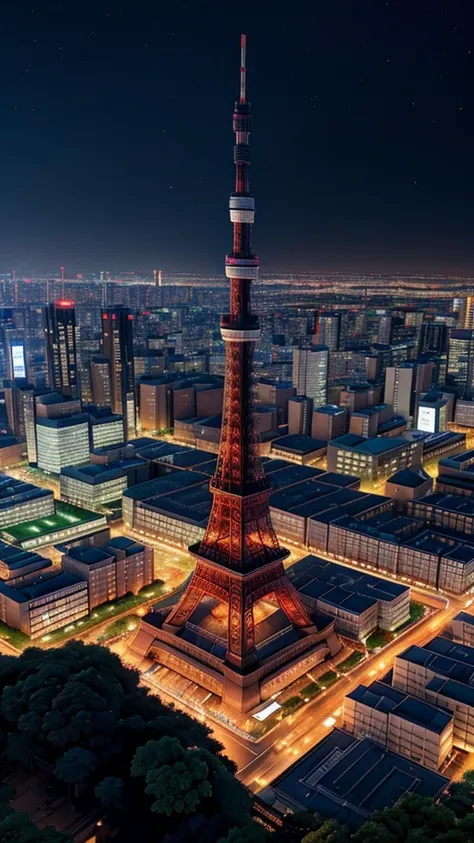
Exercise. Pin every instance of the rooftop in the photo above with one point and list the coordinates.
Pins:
(330, 410)
(64, 421)
(95, 473)
(41, 587)
(299, 444)
(387, 699)
(66, 517)
(409, 477)
(465, 617)
(15, 558)
(14, 492)
(321, 579)
(163, 485)
(376, 445)
(347, 779)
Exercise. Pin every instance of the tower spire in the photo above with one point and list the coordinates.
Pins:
(239, 560)
(243, 69)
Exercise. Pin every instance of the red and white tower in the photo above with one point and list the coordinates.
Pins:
(239, 561)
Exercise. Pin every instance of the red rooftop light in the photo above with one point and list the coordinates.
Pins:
(64, 303)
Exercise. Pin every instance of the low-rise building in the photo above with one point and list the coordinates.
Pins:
(401, 723)
(372, 459)
(20, 501)
(347, 779)
(442, 673)
(37, 608)
(95, 485)
(299, 449)
(17, 564)
(359, 602)
(408, 483)
(454, 512)
(462, 629)
(67, 522)
(119, 567)
(329, 421)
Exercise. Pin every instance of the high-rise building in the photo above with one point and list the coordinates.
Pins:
(300, 411)
(62, 441)
(117, 336)
(15, 348)
(327, 330)
(61, 347)
(404, 384)
(310, 373)
(239, 561)
(434, 338)
(100, 382)
(432, 413)
(460, 371)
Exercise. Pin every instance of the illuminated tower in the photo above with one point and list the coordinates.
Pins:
(61, 346)
(239, 562)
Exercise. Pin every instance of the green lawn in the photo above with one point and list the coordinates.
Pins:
(14, 636)
(351, 661)
(379, 638)
(311, 690)
(327, 679)
(119, 627)
(417, 610)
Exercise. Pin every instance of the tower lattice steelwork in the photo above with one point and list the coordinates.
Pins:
(239, 560)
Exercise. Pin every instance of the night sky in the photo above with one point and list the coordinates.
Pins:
(116, 134)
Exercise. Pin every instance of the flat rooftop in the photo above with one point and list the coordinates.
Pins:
(14, 492)
(409, 478)
(96, 473)
(40, 587)
(377, 445)
(296, 443)
(348, 779)
(444, 658)
(452, 690)
(465, 617)
(451, 503)
(15, 558)
(321, 579)
(390, 700)
(66, 516)
(163, 485)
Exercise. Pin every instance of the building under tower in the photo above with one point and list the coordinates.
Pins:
(239, 627)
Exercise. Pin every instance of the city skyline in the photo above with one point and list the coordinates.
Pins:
(370, 167)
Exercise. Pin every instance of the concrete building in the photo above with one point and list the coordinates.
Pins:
(16, 564)
(92, 486)
(100, 382)
(12, 452)
(462, 629)
(401, 723)
(347, 779)
(431, 415)
(62, 441)
(327, 329)
(372, 459)
(359, 395)
(460, 371)
(360, 603)
(464, 413)
(454, 512)
(310, 373)
(441, 673)
(106, 428)
(120, 567)
(20, 501)
(300, 410)
(328, 422)
(408, 483)
(37, 608)
(68, 522)
(302, 450)
(276, 393)
(404, 384)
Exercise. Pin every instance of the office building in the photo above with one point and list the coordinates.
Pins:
(302, 450)
(328, 422)
(372, 459)
(37, 608)
(431, 415)
(121, 566)
(327, 330)
(442, 673)
(275, 393)
(92, 486)
(20, 501)
(300, 411)
(62, 347)
(464, 412)
(100, 382)
(408, 483)
(460, 371)
(67, 523)
(357, 396)
(62, 441)
(400, 723)
(403, 385)
(310, 373)
(17, 565)
(15, 349)
(106, 428)
(117, 339)
(462, 629)
(347, 779)
(434, 338)
(359, 602)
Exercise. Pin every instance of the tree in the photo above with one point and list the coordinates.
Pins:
(251, 833)
(18, 828)
(75, 766)
(176, 778)
(110, 792)
(329, 832)
(373, 832)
